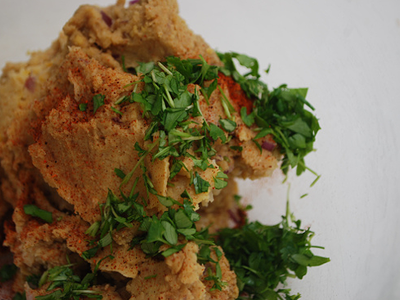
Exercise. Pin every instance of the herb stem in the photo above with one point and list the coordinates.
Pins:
(131, 83)
(286, 223)
(164, 69)
(134, 187)
(312, 171)
(286, 145)
(228, 108)
(130, 174)
(169, 98)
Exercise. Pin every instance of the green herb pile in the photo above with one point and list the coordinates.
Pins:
(265, 256)
(166, 101)
(280, 112)
(66, 285)
(262, 256)
(174, 228)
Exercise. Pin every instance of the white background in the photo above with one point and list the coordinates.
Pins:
(348, 54)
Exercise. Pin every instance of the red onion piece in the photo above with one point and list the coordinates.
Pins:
(133, 2)
(106, 19)
(268, 145)
(30, 84)
(233, 217)
(230, 168)
(218, 158)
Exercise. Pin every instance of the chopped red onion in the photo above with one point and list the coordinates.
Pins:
(116, 120)
(30, 83)
(106, 19)
(218, 158)
(230, 168)
(233, 217)
(268, 145)
(133, 2)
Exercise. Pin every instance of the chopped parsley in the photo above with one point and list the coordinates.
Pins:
(281, 112)
(254, 250)
(200, 185)
(228, 125)
(64, 284)
(82, 106)
(33, 210)
(265, 256)
(219, 183)
(98, 101)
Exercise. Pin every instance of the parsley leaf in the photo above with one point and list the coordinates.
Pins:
(218, 182)
(248, 119)
(98, 101)
(237, 148)
(82, 106)
(119, 173)
(33, 210)
(216, 132)
(67, 285)
(200, 185)
(228, 125)
(173, 250)
(281, 111)
(145, 68)
(265, 256)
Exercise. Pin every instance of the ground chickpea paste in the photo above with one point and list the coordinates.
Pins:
(119, 149)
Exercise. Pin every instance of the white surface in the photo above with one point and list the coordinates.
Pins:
(348, 54)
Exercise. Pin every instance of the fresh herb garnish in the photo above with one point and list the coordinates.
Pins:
(237, 148)
(33, 210)
(200, 185)
(204, 256)
(33, 280)
(265, 256)
(228, 125)
(119, 173)
(82, 106)
(227, 105)
(178, 220)
(115, 214)
(67, 285)
(280, 112)
(219, 183)
(169, 106)
(116, 110)
(98, 101)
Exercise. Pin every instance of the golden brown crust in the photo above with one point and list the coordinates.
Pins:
(146, 31)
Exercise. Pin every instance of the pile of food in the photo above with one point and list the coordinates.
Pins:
(119, 149)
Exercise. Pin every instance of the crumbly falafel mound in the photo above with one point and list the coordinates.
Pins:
(62, 159)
